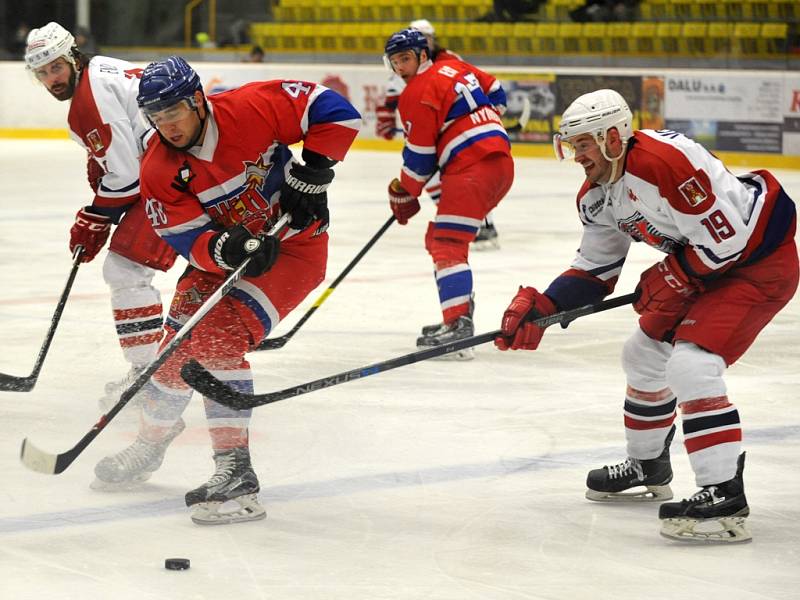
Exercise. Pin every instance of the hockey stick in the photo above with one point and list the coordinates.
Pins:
(52, 464)
(524, 116)
(280, 342)
(204, 382)
(12, 383)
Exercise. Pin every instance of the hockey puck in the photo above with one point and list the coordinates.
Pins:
(176, 564)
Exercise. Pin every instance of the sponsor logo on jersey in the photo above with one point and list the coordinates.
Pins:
(95, 141)
(183, 177)
(632, 196)
(692, 191)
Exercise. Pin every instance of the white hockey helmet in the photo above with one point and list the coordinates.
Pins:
(424, 26)
(46, 44)
(593, 113)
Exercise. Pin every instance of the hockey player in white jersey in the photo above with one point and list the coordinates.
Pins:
(104, 119)
(731, 265)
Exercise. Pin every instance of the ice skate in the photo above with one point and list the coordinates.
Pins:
(135, 464)
(114, 389)
(715, 514)
(633, 480)
(234, 484)
(487, 238)
(446, 333)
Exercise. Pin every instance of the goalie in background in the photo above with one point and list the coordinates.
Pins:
(731, 265)
(472, 155)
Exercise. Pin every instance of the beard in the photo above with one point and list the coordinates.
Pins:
(64, 91)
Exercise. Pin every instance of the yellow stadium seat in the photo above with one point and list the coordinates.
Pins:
(719, 38)
(546, 39)
(668, 36)
(372, 38)
(347, 10)
(708, 10)
(350, 39)
(684, 10)
(656, 10)
(388, 10)
(733, 10)
(306, 10)
(367, 12)
(558, 10)
(784, 10)
(620, 38)
(593, 38)
(476, 38)
(522, 35)
(302, 36)
(327, 37)
(453, 36)
(500, 38)
(643, 35)
(570, 38)
(448, 10)
(693, 36)
(469, 10)
(746, 39)
(775, 38)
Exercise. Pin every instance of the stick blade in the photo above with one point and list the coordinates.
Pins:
(11, 383)
(272, 343)
(204, 382)
(37, 459)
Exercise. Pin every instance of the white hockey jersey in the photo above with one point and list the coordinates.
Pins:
(676, 196)
(104, 118)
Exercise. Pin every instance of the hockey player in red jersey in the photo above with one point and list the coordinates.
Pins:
(218, 176)
(731, 265)
(386, 126)
(448, 110)
(104, 119)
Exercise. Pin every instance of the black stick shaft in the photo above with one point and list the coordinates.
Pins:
(11, 383)
(199, 378)
(279, 342)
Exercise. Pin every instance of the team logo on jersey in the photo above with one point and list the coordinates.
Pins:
(637, 227)
(632, 196)
(692, 191)
(95, 141)
(183, 177)
(255, 172)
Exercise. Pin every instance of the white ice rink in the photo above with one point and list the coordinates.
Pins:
(440, 480)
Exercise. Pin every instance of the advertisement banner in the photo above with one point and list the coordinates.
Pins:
(791, 114)
(569, 87)
(539, 92)
(754, 98)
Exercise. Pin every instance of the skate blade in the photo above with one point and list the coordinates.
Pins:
(461, 355)
(650, 493)
(99, 485)
(238, 510)
(484, 245)
(725, 530)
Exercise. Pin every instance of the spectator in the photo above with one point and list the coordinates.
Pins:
(605, 10)
(510, 10)
(256, 55)
(84, 40)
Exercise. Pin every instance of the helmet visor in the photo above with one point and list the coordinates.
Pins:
(562, 148)
(169, 111)
(569, 148)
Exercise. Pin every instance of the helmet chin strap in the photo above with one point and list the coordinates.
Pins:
(614, 161)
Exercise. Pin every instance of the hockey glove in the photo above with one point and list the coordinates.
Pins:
(403, 205)
(229, 248)
(385, 124)
(518, 331)
(94, 173)
(304, 196)
(90, 230)
(665, 289)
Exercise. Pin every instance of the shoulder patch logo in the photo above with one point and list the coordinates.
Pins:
(692, 191)
(95, 141)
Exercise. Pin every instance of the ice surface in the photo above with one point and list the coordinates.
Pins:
(440, 480)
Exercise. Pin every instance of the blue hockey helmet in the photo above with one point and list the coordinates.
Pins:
(406, 39)
(165, 83)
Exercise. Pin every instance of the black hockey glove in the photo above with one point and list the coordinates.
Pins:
(304, 196)
(230, 247)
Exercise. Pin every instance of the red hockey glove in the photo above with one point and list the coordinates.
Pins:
(519, 334)
(91, 231)
(386, 123)
(94, 173)
(665, 288)
(403, 205)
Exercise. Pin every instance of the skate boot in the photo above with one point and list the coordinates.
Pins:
(428, 330)
(446, 333)
(716, 513)
(114, 390)
(624, 482)
(135, 464)
(487, 237)
(234, 480)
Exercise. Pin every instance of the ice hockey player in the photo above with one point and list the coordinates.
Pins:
(451, 122)
(104, 119)
(731, 265)
(386, 127)
(219, 175)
